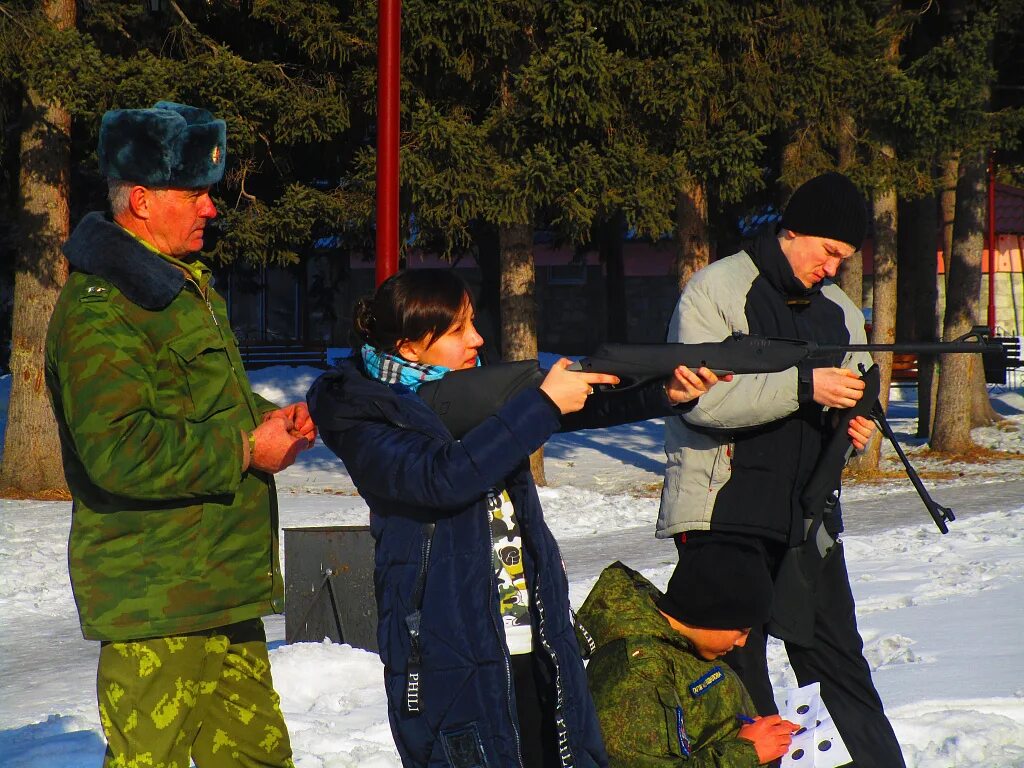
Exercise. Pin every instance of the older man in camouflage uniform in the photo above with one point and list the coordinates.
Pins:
(170, 457)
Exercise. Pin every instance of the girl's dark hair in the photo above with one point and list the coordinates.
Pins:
(410, 305)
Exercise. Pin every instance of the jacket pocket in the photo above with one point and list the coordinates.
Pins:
(148, 549)
(678, 743)
(463, 747)
(697, 466)
(721, 468)
(449, 731)
(206, 372)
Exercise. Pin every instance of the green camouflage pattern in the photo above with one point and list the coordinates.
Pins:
(167, 535)
(206, 697)
(652, 692)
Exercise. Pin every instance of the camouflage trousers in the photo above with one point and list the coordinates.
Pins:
(205, 695)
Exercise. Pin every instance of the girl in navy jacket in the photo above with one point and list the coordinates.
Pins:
(482, 666)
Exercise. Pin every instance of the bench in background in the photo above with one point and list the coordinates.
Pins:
(263, 354)
(904, 368)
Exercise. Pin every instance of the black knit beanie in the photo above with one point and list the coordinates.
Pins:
(719, 584)
(828, 206)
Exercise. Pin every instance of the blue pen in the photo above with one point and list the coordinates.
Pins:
(684, 739)
(745, 719)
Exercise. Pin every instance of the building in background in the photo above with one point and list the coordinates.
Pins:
(312, 300)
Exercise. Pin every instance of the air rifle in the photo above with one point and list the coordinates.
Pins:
(743, 353)
(463, 399)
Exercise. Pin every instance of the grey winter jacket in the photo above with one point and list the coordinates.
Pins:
(737, 461)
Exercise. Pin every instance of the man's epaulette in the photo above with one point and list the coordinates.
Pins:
(94, 293)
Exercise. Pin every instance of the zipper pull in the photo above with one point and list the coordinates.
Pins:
(209, 306)
(205, 298)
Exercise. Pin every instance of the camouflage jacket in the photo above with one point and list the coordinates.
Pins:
(168, 535)
(658, 702)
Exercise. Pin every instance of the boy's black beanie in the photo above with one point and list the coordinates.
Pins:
(719, 584)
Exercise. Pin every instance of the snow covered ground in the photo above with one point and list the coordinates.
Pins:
(942, 616)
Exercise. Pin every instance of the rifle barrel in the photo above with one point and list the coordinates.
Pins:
(920, 348)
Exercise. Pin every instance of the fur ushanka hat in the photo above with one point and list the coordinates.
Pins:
(171, 146)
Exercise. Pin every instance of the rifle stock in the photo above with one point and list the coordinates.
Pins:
(463, 399)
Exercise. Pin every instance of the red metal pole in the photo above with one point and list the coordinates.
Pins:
(992, 244)
(389, 28)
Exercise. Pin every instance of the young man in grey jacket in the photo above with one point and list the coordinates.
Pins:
(737, 462)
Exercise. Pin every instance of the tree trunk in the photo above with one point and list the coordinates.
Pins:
(518, 304)
(918, 296)
(950, 173)
(883, 315)
(693, 247)
(851, 278)
(952, 432)
(31, 465)
(851, 271)
(982, 412)
(519, 308)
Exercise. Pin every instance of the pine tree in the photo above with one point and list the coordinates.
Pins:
(960, 71)
(275, 71)
(888, 27)
(696, 93)
(515, 122)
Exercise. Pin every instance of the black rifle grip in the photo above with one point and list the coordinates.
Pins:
(793, 612)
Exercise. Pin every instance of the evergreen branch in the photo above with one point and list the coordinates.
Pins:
(281, 70)
(270, 149)
(244, 173)
(124, 32)
(192, 28)
(16, 20)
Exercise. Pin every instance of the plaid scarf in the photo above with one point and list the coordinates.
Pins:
(392, 369)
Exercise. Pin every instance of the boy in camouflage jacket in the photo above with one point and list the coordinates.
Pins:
(661, 697)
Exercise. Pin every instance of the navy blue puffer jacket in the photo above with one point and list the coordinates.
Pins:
(427, 497)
